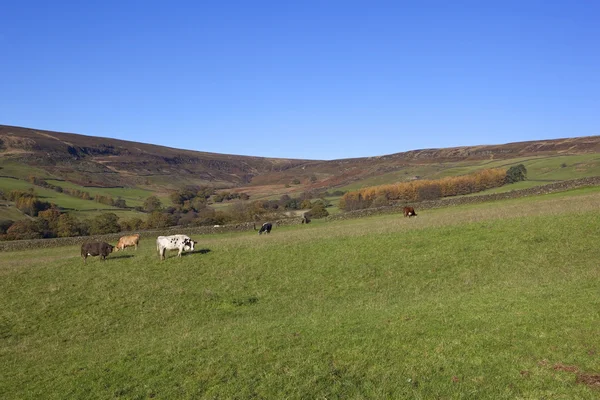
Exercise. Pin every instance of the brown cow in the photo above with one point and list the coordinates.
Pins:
(409, 212)
(128, 241)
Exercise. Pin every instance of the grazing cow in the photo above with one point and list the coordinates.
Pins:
(173, 242)
(128, 241)
(101, 249)
(409, 212)
(265, 228)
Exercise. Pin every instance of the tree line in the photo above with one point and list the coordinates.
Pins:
(419, 190)
(80, 194)
(189, 207)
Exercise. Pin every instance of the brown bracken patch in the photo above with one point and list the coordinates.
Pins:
(568, 368)
(589, 379)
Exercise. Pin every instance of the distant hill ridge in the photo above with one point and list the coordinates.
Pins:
(96, 161)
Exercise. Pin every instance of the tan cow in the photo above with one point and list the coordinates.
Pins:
(128, 241)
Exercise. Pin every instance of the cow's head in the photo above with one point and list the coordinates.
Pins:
(111, 248)
(188, 245)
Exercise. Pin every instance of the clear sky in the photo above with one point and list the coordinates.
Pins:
(303, 79)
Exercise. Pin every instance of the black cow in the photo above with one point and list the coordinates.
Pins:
(101, 249)
(265, 228)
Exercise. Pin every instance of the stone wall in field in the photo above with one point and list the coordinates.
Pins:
(249, 226)
(114, 237)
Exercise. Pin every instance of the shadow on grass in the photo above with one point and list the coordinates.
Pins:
(120, 256)
(200, 251)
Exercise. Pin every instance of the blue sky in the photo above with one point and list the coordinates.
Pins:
(305, 79)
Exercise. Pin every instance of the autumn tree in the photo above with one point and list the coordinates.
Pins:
(151, 204)
(24, 229)
(67, 226)
(105, 223)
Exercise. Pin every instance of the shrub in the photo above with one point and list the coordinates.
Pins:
(516, 173)
(151, 204)
(380, 201)
(318, 211)
(24, 229)
(105, 223)
(68, 226)
(5, 224)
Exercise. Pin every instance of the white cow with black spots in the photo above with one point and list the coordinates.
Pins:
(173, 242)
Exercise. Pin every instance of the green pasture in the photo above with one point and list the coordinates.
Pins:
(78, 207)
(493, 301)
(20, 170)
(132, 196)
(60, 199)
(540, 170)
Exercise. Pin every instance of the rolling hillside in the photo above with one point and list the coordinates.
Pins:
(134, 171)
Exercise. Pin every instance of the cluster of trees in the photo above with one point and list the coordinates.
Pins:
(102, 199)
(27, 202)
(189, 208)
(53, 223)
(219, 197)
(80, 194)
(420, 190)
(41, 182)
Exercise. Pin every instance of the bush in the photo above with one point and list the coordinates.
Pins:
(5, 224)
(24, 229)
(318, 211)
(68, 226)
(516, 173)
(105, 223)
(380, 201)
(152, 204)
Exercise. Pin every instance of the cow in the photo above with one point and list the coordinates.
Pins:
(265, 228)
(101, 249)
(305, 219)
(128, 241)
(173, 242)
(409, 212)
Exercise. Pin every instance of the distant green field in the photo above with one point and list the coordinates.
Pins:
(60, 199)
(21, 171)
(133, 197)
(493, 301)
(540, 170)
(78, 207)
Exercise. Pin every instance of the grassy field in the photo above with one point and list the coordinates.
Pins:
(132, 196)
(78, 207)
(540, 170)
(494, 301)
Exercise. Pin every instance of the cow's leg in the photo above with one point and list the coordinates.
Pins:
(180, 251)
